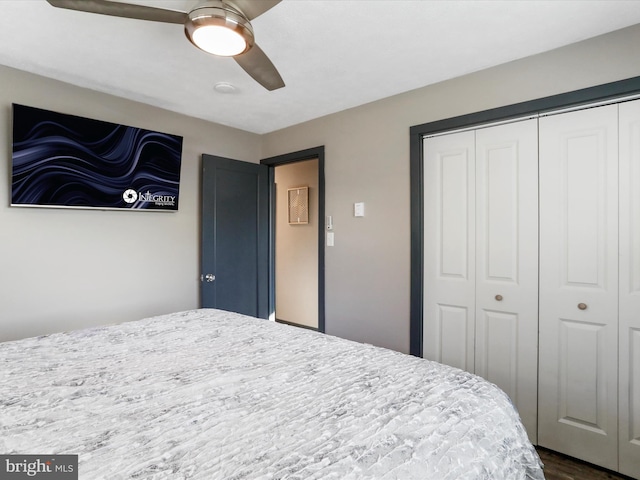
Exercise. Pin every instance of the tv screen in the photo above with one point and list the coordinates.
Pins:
(62, 160)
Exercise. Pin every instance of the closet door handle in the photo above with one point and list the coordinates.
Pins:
(582, 306)
(499, 298)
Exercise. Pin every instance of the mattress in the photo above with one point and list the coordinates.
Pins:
(208, 394)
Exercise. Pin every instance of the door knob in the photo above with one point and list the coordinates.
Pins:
(209, 277)
(582, 306)
(499, 298)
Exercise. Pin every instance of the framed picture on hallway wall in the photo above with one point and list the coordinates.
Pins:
(298, 205)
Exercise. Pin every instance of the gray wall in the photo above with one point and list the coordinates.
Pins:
(65, 269)
(62, 269)
(367, 159)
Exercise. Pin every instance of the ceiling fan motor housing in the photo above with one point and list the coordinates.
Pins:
(219, 14)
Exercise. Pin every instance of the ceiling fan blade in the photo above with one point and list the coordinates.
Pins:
(253, 8)
(256, 63)
(127, 10)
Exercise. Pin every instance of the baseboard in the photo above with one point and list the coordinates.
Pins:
(296, 325)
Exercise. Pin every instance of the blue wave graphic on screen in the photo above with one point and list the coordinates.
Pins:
(63, 160)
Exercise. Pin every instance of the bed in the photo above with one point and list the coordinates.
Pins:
(208, 394)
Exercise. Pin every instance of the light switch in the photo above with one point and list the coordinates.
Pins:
(358, 209)
(330, 239)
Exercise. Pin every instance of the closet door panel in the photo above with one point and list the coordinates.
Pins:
(579, 284)
(497, 351)
(630, 288)
(452, 328)
(449, 249)
(507, 263)
(581, 403)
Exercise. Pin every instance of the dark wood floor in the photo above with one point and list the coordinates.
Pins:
(561, 467)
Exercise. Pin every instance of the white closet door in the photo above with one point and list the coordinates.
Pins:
(507, 263)
(579, 285)
(449, 249)
(630, 289)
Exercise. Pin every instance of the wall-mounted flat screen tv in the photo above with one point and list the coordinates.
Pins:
(62, 160)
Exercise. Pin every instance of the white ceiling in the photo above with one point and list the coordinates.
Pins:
(332, 54)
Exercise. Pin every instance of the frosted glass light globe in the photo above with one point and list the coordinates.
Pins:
(219, 40)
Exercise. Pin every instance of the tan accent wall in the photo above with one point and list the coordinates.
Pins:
(297, 247)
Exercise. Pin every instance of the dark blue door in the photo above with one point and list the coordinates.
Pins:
(235, 236)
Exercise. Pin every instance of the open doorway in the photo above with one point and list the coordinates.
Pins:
(296, 243)
(297, 238)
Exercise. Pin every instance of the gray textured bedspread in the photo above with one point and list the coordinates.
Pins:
(209, 395)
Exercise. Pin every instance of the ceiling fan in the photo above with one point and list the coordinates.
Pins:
(219, 27)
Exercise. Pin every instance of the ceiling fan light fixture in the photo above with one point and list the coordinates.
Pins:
(219, 30)
(219, 40)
